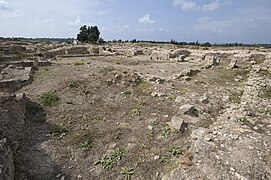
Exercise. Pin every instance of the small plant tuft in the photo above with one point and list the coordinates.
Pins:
(79, 63)
(136, 111)
(166, 131)
(86, 145)
(57, 130)
(174, 150)
(242, 120)
(73, 84)
(48, 99)
(127, 172)
(109, 161)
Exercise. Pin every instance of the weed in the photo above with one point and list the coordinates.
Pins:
(107, 69)
(46, 69)
(163, 159)
(33, 108)
(143, 85)
(143, 146)
(126, 93)
(118, 134)
(172, 97)
(150, 133)
(127, 172)
(266, 92)
(174, 150)
(242, 120)
(73, 84)
(166, 131)
(264, 111)
(109, 161)
(136, 112)
(79, 63)
(86, 145)
(235, 98)
(57, 130)
(48, 99)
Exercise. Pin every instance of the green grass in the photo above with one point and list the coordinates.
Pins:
(86, 145)
(106, 69)
(174, 150)
(48, 99)
(109, 161)
(57, 130)
(166, 131)
(242, 120)
(33, 108)
(127, 172)
(73, 84)
(79, 63)
(143, 85)
(136, 112)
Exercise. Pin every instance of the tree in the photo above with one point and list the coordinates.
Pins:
(88, 34)
(83, 34)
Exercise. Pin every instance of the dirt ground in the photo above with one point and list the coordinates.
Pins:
(113, 117)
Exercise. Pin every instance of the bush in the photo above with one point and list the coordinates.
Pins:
(48, 99)
(78, 63)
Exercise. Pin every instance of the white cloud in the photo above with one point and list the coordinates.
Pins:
(211, 6)
(4, 5)
(203, 19)
(76, 22)
(6, 12)
(196, 5)
(185, 4)
(102, 12)
(146, 20)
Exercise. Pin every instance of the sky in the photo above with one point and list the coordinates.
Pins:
(215, 21)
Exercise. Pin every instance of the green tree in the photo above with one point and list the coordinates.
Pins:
(88, 34)
(83, 34)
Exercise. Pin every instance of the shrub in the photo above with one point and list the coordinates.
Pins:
(78, 63)
(48, 99)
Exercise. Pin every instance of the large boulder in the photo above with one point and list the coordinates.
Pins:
(159, 55)
(179, 55)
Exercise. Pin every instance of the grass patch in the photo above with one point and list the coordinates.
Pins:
(143, 85)
(73, 84)
(57, 130)
(79, 63)
(33, 108)
(48, 99)
(242, 120)
(109, 161)
(136, 112)
(235, 98)
(106, 69)
(266, 92)
(127, 172)
(174, 150)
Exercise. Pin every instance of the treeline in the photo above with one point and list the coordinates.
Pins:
(57, 40)
(205, 44)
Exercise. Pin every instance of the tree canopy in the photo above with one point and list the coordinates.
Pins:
(88, 34)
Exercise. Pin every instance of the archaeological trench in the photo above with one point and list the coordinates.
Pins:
(134, 111)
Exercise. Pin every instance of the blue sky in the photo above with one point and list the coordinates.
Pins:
(246, 21)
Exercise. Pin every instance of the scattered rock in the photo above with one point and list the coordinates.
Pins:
(198, 133)
(186, 159)
(178, 124)
(204, 99)
(190, 110)
(232, 64)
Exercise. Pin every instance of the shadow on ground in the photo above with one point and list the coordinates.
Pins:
(31, 160)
